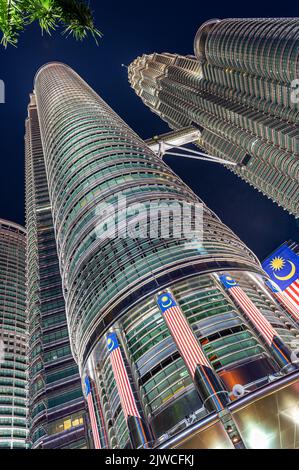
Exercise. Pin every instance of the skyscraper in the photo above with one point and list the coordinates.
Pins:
(56, 403)
(13, 337)
(240, 91)
(166, 330)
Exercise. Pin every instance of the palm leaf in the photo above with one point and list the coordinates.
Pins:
(79, 20)
(11, 21)
(75, 16)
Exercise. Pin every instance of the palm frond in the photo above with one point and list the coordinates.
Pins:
(11, 21)
(46, 12)
(75, 16)
(79, 19)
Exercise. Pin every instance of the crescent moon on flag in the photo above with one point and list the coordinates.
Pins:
(110, 344)
(288, 276)
(166, 301)
(230, 281)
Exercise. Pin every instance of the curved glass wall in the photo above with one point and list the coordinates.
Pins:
(13, 337)
(92, 158)
(266, 47)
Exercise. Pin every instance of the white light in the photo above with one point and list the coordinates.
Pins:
(292, 413)
(258, 439)
(295, 416)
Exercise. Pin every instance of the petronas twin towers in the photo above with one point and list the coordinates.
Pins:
(238, 90)
(171, 337)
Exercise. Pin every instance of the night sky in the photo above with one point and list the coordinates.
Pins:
(130, 29)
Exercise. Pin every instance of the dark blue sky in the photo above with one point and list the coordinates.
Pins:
(130, 29)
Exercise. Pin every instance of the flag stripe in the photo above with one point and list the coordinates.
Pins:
(289, 304)
(293, 291)
(128, 396)
(265, 327)
(180, 337)
(185, 339)
(120, 383)
(291, 297)
(286, 298)
(93, 421)
(260, 322)
(124, 392)
(292, 294)
(194, 346)
(191, 351)
(124, 388)
(241, 300)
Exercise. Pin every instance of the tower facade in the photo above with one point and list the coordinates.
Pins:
(13, 337)
(241, 90)
(56, 403)
(134, 295)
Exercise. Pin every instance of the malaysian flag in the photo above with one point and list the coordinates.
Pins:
(209, 386)
(283, 299)
(283, 269)
(182, 333)
(263, 326)
(92, 414)
(124, 388)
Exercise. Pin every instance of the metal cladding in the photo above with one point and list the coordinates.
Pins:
(240, 90)
(92, 157)
(56, 403)
(265, 47)
(13, 337)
